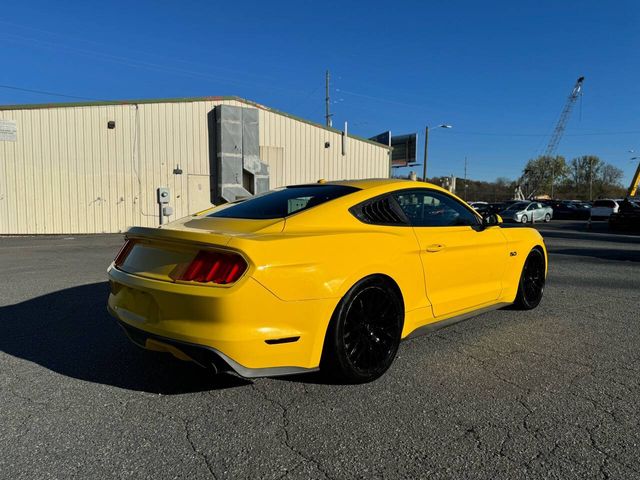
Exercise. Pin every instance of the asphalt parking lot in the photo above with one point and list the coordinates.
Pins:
(550, 393)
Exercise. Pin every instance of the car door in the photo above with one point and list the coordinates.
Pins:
(463, 262)
(541, 211)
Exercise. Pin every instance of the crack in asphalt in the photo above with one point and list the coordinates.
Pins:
(285, 428)
(607, 455)
(289, 472)
(204, 457)
(534, 432)
(563, 406)
(187, 433)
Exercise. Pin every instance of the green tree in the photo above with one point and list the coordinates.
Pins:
(609, 182)
(590, 177)
(500, 190)
(584, 171)
(542, 175)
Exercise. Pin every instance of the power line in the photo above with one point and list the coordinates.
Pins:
(514, 134)
(85, 41)
(136, 63)
(52, 94)
(145, 53)
(384, 99)
(492, 134)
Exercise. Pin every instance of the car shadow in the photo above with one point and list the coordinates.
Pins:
(70, 332)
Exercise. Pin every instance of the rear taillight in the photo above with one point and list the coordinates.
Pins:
(214, 267)
(123, 253)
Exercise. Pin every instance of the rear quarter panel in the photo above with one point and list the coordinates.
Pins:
(319, 263)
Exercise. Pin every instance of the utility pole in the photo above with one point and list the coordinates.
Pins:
(465, 178)
(327, 100)
(426, 145)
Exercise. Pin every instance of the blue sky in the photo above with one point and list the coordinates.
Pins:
(498, 71)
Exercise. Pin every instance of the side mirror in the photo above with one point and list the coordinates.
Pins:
(491, 220)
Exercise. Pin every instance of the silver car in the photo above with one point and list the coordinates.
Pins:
(524, 212)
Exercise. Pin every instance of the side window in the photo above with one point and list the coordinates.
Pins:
(426, 208)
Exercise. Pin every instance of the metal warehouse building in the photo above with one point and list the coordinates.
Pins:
(96, 167)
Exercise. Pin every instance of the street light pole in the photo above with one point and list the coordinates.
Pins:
(426, 149)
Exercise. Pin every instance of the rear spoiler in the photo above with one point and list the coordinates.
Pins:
(182, 236)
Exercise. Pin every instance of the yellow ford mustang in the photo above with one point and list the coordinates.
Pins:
(329, 275)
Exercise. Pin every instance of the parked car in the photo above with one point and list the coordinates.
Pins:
(481, 207)
(294, 280)
(602, 209)
(628, 221)
(524, 212)
(497, 207)
(581, 204)
(627, 218)
(570, 210)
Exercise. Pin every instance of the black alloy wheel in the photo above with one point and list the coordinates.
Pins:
(365, 330)
(532, 281)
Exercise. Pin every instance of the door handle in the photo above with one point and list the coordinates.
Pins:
(436, 247)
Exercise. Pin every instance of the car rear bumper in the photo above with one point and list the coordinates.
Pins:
(206, 357)
(244, 328)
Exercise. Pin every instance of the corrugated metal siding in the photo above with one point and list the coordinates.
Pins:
(68, 173)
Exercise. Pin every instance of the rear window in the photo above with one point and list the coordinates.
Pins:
(604, 203)
(285, 202)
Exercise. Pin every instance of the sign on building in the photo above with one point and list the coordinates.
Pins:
(403, 147)
(8, 130)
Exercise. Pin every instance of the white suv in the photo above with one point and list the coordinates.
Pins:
(602, 209)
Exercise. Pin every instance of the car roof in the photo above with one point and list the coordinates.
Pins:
(367, 183)
(379, 185)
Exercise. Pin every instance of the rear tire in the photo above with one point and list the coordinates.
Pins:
(547, 218)
(364, 333)
(532, 280)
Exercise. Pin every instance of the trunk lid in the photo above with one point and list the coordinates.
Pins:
(164, 253)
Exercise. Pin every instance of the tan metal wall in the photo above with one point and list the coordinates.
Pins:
(68, 173)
